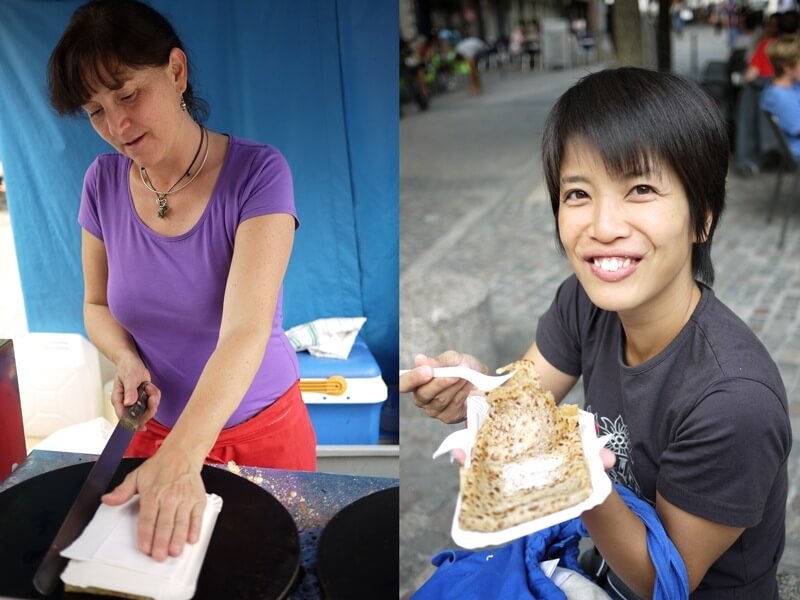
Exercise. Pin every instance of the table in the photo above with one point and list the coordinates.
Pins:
(312, 499)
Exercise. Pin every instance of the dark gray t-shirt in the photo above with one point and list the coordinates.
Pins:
(704, 422)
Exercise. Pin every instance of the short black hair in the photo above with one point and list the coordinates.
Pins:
(634, 117)
(102, 39)
(752, 18)
(788, 22)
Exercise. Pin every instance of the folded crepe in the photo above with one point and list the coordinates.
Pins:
(527, 461)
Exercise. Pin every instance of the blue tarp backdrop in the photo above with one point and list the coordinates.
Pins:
(315, 78)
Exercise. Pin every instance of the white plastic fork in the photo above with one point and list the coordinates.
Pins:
(485, 383)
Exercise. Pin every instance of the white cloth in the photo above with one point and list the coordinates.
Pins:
(574, 586)
(106, 555)
(470, 47)
(327, 338)
(577, 587)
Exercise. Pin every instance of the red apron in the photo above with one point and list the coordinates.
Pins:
(279, 437)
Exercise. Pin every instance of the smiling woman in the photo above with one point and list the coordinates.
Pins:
(186, 237)
(610, 227)
(635, 163)
(640, 145)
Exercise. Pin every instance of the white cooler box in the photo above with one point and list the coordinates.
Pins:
(343, 397)
(59, 381)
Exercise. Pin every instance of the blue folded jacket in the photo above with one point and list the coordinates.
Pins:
(672, 581)
(512, 570)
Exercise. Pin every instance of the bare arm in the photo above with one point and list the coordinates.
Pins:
(261, 254)
(700, 541)
(108, 335)
(558, 382)
(620, 536)
(750, 74)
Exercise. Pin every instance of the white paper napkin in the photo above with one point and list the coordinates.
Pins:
(106, 555)
(327, 338)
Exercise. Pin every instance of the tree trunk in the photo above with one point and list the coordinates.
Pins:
(664, 36)
(423, 14)
(591, 22)
(628, 33)
(480, 31)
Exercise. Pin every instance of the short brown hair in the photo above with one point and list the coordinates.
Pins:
(784, 53)
(102, 40)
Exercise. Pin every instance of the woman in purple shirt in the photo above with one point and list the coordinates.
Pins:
(186, 237)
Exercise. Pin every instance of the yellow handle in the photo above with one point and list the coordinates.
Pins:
(334, 385)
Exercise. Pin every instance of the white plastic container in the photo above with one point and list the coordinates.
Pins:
(59, 381)
(108, 408)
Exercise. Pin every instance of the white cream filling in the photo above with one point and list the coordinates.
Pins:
(531, 473)
(612, 264)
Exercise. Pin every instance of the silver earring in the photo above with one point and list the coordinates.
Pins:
(183, 104)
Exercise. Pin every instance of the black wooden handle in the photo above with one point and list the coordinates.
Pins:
(134, 412)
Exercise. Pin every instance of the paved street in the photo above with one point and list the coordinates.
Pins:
(474, 211)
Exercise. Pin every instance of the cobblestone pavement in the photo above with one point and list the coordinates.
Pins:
(473, 203)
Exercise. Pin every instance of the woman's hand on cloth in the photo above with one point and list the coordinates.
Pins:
(443, 397)
(131, 373)
(171, 502)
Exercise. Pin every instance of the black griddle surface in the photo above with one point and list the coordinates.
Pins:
(359, 549)
(254, 552)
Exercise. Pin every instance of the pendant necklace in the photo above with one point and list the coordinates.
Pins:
(161, 197)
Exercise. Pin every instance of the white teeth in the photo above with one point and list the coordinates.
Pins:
(612, 264)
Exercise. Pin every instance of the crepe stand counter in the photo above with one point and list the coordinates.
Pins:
(311, 499)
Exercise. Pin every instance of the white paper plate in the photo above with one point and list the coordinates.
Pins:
(465, 438)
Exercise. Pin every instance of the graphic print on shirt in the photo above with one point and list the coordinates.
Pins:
(620, 445)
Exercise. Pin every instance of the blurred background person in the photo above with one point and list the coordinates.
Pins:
(782, 97)
(471, 49)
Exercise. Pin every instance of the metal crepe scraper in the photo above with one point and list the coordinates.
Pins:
(88, 500)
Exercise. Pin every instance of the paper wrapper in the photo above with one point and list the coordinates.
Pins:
(477, 409)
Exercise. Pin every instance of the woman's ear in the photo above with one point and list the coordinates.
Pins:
(702, 239)
(178, 68)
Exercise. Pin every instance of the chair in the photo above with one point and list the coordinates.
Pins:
(788, 162)
(753, 135)
(717, 83)
(737, 62)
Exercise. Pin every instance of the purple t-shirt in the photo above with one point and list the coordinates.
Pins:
(167, 292)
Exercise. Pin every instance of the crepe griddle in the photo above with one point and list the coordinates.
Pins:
(359, 549)
(254, 552)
